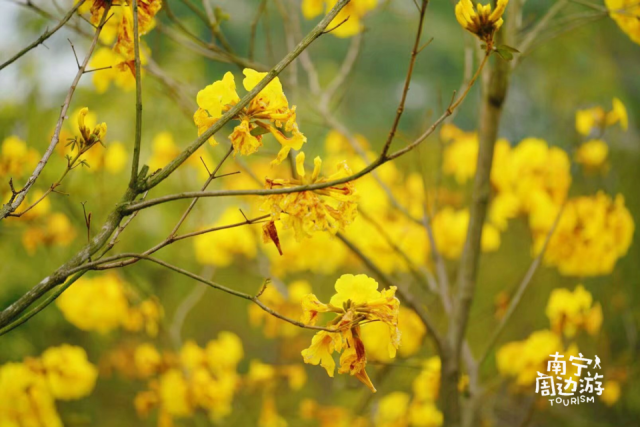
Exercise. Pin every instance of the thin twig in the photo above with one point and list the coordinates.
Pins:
(10, 207)
(522, 288)
(44, 36)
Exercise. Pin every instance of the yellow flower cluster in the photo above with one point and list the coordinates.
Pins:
(268, 112)
(120, 27)
(521, 360)
(357, 300)
(594, 121)
(592, 155)
(399, 409)
(101, 304)
(531, 178)
(28, 390)
(348, 22)
(481, 21)
(570, 311)
(626, 13)
(289, 306)
(196, 378)
(111, 157)
(219, 248)
(88, 137)
(16, 158)
(329, 209)
(593, 233)
(52, 230)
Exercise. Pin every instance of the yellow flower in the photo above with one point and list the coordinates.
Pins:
(95, 304)
(569, 311)
(268, 112)
(357, 300)
(147, 360)
(522, 360)
(482, 22)
(393, 410)
(595, 120)
(378, 342)
(69, 374)
(592, 154)
(593, 233)
(306, 211)
(626, 13)
(102, 79)
(88, 137)
(320, 352)
(25, 399)
(16, 158)
(224, 353)
(425, 414)
(56, 231)
(611, 393)
(174, 394)
(220, 247)
(355, 10)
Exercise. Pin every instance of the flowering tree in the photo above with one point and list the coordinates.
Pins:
(413, 235)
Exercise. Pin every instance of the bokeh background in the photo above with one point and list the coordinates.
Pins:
(584, 66)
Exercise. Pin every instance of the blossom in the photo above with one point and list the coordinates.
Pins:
(147, 360)
(25, 398)
(594, 121)
(393, 410)
(329, 209)
(267, 112)
(103, 78)
(592, 234)
(56, 230)
(569, 311)
(89, 137)
(69, 374)
(626, 13)
(16, 157)
(98, 303)
(348, 22)
(521, 360)
(482, 21)
(323, 344)
(357, 300)
(147, 9)
(592, 154)
(378, 341)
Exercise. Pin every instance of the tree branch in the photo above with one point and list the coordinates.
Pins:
(44, 36)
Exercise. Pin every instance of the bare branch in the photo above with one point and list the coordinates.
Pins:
(44, 36)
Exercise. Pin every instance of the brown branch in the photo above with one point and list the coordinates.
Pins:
(44, 36)
(407, 82)
(10, 207)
